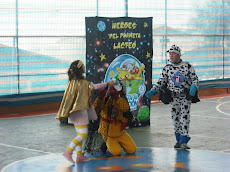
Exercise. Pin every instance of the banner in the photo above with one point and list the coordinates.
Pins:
(121, 49)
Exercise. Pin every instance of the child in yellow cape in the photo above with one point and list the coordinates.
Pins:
(76, 105)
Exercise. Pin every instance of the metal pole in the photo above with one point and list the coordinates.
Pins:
(97, 8)
(126, 8)
(223, 38)
(16, 42)
(166, 31)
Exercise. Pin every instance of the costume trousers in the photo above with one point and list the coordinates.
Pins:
(115, 144)
(180, 110)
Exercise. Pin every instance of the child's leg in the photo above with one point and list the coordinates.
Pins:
(82, 132)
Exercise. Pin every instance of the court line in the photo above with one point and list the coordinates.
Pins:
(25, 115)
(201, 98)
(170, 133)
(15, 162)
(201, 150)
(32, 131)
(152, 148)
(17, 147)
(169, 115)
(219, 101)
(209, 117)
(218, 106)
(225, 150)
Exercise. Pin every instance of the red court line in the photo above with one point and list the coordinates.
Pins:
(16, 115)
(201, 97)
(214, 96)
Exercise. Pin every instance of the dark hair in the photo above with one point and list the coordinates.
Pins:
(74, 71)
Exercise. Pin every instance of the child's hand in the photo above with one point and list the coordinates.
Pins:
(110, 83)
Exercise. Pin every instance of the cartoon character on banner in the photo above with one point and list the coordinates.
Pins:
(129, 71)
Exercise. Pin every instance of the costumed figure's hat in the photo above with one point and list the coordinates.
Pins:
(175, 49)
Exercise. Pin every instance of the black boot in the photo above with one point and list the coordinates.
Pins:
(177, 145)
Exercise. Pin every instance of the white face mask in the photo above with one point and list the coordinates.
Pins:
(117, 86)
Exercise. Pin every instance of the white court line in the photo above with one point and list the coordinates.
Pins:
(34, 150)
(225, 150)
(15, 162)
(218, 106)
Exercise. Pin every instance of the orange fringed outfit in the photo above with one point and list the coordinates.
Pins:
(112, 127)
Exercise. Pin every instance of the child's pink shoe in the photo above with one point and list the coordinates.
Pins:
(68, 156)
(81, 158)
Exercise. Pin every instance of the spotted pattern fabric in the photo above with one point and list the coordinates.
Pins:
(183, 68)
(175, 49)
(180, 110)
(177, 77)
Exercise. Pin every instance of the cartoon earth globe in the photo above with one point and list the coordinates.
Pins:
(143, 113)
(124, 61)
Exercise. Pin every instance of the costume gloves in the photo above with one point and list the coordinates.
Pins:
(150, 93)
(192, 91)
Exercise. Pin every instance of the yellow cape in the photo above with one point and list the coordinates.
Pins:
(77, 96)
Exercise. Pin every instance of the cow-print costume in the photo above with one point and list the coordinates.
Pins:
(185, 76)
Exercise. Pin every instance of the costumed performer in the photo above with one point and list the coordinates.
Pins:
(76, 105)
(182, 82)
(111, 106)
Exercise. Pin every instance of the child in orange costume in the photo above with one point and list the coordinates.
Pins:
(111, 107)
